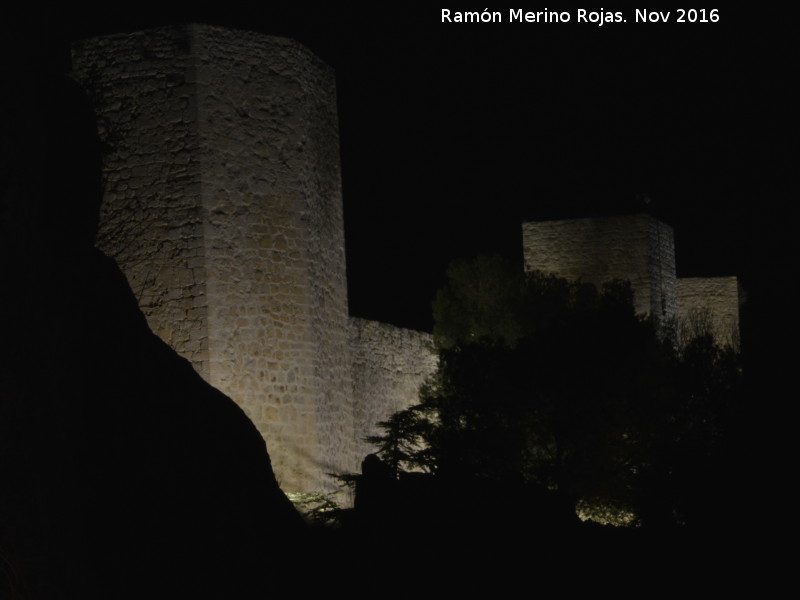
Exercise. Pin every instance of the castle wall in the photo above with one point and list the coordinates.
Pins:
(637, 248)
(151, 219)
(709, 304)
(223, 208)
(390, 365)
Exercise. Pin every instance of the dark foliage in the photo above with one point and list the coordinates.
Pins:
(544, 384)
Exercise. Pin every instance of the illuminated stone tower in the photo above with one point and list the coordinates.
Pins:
(637, 248)
(223, 208)
(640, 249)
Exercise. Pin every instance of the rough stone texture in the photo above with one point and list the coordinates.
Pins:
(277, 289)
(640, 249)
(709, 303)
(637, 248)
(151, 213)
(223, 208)
(389, 366)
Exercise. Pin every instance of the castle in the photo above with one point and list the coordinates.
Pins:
(223, 207)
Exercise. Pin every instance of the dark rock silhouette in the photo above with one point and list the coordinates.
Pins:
(122, 471)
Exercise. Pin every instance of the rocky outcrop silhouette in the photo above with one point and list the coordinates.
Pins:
(122, 472)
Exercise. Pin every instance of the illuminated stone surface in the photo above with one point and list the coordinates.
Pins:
(223, 208)
(636, 247)
(712, 304)
(640, 249)
(389, 363)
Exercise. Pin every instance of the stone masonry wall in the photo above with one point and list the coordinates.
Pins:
(276, 282)
(151, 220)
(709, 303)
(661, 265)
(223, 208)
(637, 248)
(389, 366)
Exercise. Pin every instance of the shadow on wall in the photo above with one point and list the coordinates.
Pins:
(121, 468)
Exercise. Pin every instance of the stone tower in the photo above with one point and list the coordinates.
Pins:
(637, 248)
(223, 208)
(640, 249)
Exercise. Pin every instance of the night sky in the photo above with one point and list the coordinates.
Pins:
(453, 134)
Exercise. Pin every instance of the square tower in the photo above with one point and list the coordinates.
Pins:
(637, 248)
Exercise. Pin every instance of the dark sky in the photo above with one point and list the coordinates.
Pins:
(453, 134)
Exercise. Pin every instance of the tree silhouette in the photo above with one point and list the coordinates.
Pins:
(546, 384)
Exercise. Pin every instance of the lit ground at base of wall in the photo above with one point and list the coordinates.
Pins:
(605, 514)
